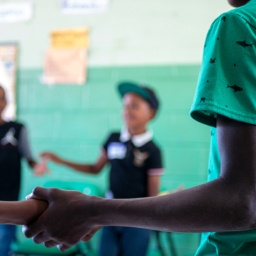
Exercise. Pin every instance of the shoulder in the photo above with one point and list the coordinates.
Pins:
(16, 124)
(230, 26)
(153, 147)
(245, 14)
(113, 136)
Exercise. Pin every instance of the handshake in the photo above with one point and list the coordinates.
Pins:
(52, 216)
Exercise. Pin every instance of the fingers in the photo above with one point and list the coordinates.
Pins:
(40, 238)
(34, 229)
(63, 247)
(38, 235)
(45, 154)
(55, 226)
(30, 232)
(50, 244)
(41, 168)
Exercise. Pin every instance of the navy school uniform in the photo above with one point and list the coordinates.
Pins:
(132, 160)
(10, 161)
(13, 146)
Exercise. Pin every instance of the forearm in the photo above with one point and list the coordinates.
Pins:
(153, 185)
(84, 168)
(21, 212)
(210, 207)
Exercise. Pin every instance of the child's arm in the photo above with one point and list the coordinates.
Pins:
(85, 168)
(21, 212)
(153, 185)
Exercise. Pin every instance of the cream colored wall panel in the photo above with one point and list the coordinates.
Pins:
(130, 33)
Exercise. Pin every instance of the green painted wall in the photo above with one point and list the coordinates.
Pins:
(74, 120)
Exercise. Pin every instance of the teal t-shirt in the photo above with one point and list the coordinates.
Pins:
(227, 86)
(227, 80)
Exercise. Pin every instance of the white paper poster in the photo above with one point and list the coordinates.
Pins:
(15, 12)
(73, 7)
(8, 67)
(65, 66)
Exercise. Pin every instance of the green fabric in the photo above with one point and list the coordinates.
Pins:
(227, 78)
(227, 86)
(235, 244)
(228, 243)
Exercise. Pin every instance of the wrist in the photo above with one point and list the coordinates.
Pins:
(110, 212)
(123, 212)
(100, 209)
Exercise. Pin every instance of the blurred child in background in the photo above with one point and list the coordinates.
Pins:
(135, 166)
(14, 146)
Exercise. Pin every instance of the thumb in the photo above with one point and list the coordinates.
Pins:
(88, 237)
(39, 193)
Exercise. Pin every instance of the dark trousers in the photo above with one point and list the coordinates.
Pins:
(124, 241)
(7, 235)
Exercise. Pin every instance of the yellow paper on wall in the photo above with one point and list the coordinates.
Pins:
(70, 38)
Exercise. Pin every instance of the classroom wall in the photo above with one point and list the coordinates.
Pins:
(154, 42)
(74, 122)
(130, 33)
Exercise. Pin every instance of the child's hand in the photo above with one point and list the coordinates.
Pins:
(41, 168)
(68, 219)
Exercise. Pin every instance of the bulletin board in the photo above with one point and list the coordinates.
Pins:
(8, 67)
